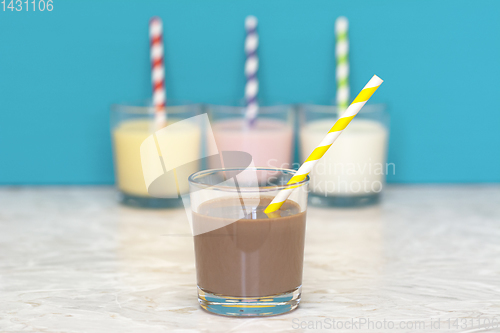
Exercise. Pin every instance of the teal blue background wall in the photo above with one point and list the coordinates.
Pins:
(61, 70)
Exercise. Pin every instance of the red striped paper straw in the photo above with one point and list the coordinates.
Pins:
(158, 71)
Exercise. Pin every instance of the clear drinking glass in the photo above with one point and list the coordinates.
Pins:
(269, 140)
(352, 172)
(247, 263)
(131, 125)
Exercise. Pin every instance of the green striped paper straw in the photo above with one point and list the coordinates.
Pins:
(342, 58)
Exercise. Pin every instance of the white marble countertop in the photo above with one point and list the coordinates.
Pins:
(74, 260)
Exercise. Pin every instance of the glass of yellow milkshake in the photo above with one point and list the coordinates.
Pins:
(353, 171)
(133, 130)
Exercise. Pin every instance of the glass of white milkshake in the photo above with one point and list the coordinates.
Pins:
(352, 172)
(131, 125)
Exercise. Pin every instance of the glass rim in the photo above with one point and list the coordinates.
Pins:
(267, 188)
(327, 109)
(146, 107)
(241, 109)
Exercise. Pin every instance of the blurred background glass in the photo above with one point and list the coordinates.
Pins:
(353, 171)
(269, 140)
(131, 125)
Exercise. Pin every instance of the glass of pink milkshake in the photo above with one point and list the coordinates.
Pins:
(269, 140)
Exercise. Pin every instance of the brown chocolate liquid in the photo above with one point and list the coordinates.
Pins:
(254, 256)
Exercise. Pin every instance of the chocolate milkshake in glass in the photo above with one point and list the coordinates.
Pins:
(247, 263)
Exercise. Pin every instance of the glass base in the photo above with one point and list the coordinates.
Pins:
(320, 200)
(249, 306)
(149, 202)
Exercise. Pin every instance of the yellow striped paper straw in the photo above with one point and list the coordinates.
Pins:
(329, 139)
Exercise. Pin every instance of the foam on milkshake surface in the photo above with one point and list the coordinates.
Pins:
(230, 208)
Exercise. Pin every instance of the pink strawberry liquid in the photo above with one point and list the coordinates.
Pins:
(269, 141)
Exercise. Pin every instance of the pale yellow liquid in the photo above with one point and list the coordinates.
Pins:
(182, 144)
